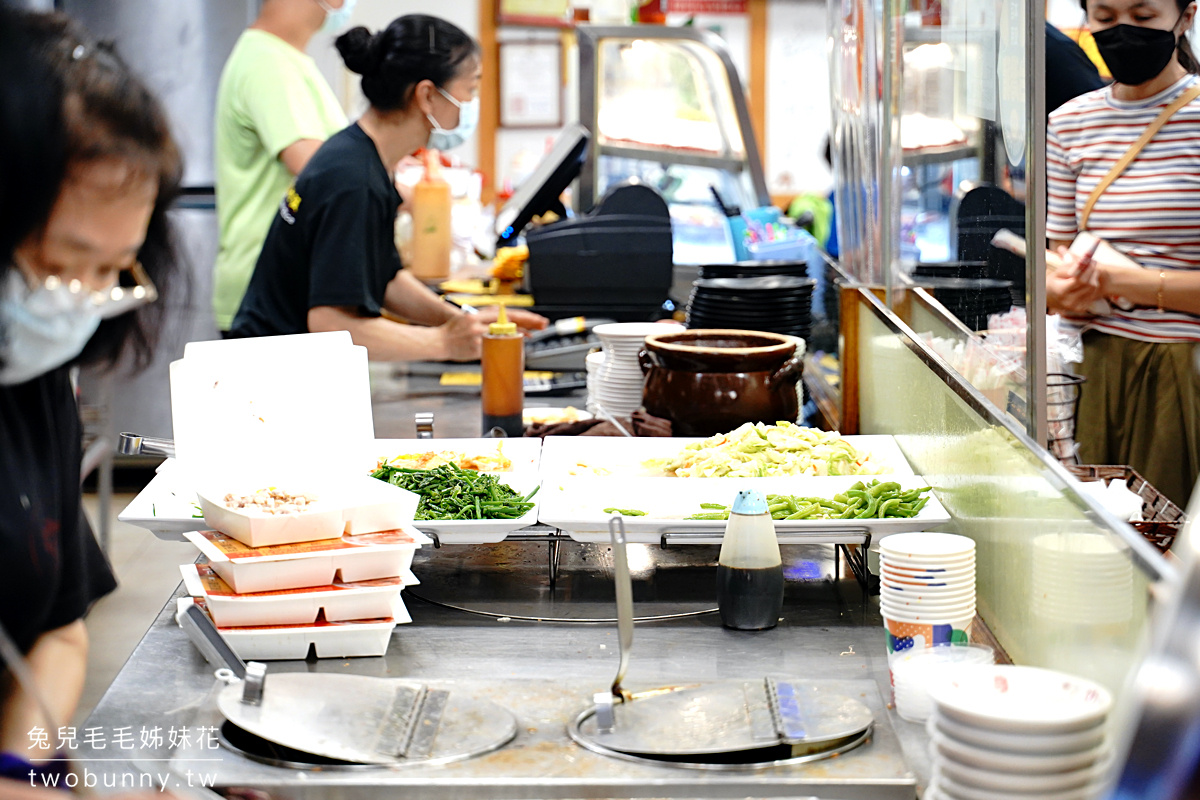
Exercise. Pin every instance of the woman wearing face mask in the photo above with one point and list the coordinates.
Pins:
(274, 109)
(330, 261)
(75, 288)
(1141, 403)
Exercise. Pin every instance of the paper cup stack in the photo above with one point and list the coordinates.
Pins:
(1000, 732)
(1081, 579)
(616, 387)
(927, 589)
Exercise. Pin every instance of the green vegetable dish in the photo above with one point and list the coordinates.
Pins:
(872, 500)
(450, 493)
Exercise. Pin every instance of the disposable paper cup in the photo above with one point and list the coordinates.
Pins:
(949, 584)
(926, 545)
(917, 595)
(902, 635)
(963, 559)
(924, 601)
(949, 615)
(927, 569)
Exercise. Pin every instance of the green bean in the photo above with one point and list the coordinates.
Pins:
(870, 510)
(887, 506)
(627, 512)
(714, 506)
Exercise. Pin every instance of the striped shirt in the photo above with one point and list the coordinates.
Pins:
(1151, 212)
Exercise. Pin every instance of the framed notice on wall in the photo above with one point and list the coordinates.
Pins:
(531, 84)
(550, 13)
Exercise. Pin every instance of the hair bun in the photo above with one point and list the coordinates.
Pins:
(355, 47)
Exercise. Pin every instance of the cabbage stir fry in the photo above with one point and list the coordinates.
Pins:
(756, 450)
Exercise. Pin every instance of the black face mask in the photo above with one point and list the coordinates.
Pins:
(1135, 54)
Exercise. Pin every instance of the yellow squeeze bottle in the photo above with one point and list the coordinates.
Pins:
(431, 244)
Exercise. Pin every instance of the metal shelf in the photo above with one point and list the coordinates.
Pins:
(940, 155)
(665, 155)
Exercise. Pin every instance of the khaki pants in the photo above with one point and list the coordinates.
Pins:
(1140, 406)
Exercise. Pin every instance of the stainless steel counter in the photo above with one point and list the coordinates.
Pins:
(545, 673)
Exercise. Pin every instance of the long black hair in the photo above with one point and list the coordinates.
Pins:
(411, 49)
(33, 141)
(105, 113)
(1187, 56)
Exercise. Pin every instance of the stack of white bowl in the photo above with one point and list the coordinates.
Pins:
(593, 362)
(915, 671)
(927, 589)
(616, 387)
(1000, 732)
(1081, 579)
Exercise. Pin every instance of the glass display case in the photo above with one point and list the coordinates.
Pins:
(665, 105)
(937, 130)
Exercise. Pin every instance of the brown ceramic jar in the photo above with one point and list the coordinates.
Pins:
(710, 381)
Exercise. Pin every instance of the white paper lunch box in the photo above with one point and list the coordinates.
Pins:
(359, 638)
(358, 505)
(336, 602)
(385, 554)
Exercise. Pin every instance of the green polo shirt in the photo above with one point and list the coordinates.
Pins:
(271, 95)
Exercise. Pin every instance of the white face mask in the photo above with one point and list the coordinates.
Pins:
(336, 18)
(468, 118)
(38, 332)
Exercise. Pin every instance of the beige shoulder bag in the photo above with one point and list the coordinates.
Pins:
(1135, 148)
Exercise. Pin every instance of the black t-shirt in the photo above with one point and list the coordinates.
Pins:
(331, 244)
(51, 568)
(1069, 71)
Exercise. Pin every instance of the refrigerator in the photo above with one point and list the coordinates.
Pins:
(178, 49)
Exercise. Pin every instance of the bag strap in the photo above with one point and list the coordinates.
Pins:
(1134, 149)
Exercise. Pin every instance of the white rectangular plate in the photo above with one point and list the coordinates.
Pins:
(605, 456)
(486, 531)
(576, 505)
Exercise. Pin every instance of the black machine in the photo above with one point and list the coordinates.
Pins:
(540, 192)
(616, 261)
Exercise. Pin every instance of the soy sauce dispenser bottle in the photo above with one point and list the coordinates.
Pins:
(749, 570)
(503, 366)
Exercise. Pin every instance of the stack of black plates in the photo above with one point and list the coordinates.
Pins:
(952, 269)
(776, 304)
(972, 301)
(755, 269)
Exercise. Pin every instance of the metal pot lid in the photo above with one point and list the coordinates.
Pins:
(730, 716)
(366, 720)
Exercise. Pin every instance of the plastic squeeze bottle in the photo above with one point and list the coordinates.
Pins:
(503, 362)
(749, 569)
(431, 223)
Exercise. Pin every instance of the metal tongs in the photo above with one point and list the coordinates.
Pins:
(134, 444)
(606, 701)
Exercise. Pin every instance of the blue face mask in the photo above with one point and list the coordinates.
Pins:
(336, 18)
(39, 333)
(468, 118)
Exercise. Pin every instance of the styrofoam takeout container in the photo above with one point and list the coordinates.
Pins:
(360, 638)
(336, 602)
(364, 557)
(326, 520)
(356, 505)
